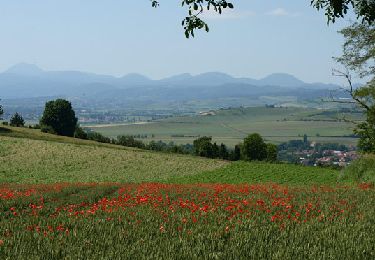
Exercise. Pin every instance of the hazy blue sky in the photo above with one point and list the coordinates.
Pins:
(123, 36)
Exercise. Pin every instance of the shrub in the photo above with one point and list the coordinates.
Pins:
(36, 126)
(98, 137)
(80, 133)
(17, 120)
(47, 129)
(129, 141)
(361, 170)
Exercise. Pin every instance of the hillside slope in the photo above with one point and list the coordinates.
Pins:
(24, 160)
(28, 156)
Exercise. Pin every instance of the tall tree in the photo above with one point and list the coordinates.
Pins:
(364, 9)
(60, 117)
(236, 153)
(254, 148)
(271, 152)
(359, 58)
(223, 152)
(203, 147)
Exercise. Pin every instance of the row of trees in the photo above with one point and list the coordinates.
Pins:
(204, 147)
(253, 149)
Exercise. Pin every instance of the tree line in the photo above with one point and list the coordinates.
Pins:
(252, 149)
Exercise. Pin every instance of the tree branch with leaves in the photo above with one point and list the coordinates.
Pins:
(364, 9)
(193, 21)
(359, 57)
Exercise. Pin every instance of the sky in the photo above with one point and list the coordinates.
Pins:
(117, 37)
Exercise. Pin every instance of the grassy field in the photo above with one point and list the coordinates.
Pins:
(259, 172)
(63, 198)
(34, 161)
(49, 159)
(29, 156)
(231, 126)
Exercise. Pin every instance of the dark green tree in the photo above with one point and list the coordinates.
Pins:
(359, 58)
(223, 152)
(17, 120)
(364, 9)
(237, 152)
(254, 148)
(271, 152)
(60, 117)
(203, 147)
(305, 138)
(215, 151)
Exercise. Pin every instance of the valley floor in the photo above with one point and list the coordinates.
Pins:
(230, 126)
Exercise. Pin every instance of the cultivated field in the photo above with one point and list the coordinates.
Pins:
(161, 221)
(63, 198)
(231, 126)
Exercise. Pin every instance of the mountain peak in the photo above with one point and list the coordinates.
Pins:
(25, 69)
(215, 74)
(135, 78)
(178, 77)
(282, 79)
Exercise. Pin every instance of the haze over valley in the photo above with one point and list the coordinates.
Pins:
(26, 87)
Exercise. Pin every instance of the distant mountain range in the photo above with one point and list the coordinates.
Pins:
(27, 80)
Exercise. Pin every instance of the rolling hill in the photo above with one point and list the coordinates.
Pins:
(28, 157)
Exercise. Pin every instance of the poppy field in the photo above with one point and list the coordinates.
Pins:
(179, 221)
